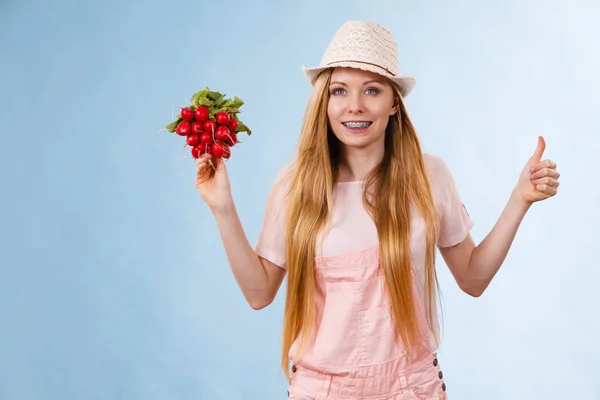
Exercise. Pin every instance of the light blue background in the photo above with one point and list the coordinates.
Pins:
(114, 283)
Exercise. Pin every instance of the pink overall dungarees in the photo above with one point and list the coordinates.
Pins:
(354, 352)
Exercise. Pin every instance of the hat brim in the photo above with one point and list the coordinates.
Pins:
(405, 83)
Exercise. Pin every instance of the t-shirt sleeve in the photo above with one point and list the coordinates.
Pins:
(270, 244)
(455, 222)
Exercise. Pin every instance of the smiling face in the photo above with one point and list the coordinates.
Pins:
(359, 107)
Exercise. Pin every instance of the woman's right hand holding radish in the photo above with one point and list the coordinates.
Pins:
(212, 182)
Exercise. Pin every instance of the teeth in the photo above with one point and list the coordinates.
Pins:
(357, 125)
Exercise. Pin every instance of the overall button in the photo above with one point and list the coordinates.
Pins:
(294, 369)
(444, 387)
(435, 362)
(440, 374)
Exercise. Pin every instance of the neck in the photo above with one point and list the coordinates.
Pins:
(357, 162)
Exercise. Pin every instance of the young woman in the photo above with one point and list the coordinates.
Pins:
(355, 223)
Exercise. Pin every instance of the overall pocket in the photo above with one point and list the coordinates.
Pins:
(337, 343)
(376, 322)
(376, 325)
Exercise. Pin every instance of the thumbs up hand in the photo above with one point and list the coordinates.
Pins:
(539, 179)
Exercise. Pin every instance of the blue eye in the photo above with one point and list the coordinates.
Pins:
(339, 91)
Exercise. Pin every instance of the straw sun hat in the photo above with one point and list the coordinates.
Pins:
(367, 46)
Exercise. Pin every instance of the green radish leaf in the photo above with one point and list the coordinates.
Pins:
(243, 128)
(173, 125)
(237, 102)
(194, 99)
(202, 101)
(203, 94)
(220, 103)
(214, 95)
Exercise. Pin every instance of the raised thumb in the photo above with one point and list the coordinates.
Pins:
(539, 151)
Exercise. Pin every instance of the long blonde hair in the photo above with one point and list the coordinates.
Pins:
(398, 181)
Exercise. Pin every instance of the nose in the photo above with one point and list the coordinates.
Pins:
(355, 104)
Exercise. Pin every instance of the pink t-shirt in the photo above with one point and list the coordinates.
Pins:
(353, 230)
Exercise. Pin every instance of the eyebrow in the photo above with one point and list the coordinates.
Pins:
(364, 83)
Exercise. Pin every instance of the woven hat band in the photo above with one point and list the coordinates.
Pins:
(361, 62)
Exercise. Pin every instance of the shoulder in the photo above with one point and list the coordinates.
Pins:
(437, 168)
(443, 185)
(284, 178)
(281, 185)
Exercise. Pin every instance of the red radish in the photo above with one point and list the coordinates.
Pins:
(233, 124)
(193, 139)
(206, 138)
(187, 114)
(210, 126)
(217, 149)
(196, 151)
(222, 118)
(200, 149)
(222, 133)
(231, 140)
(197, 127)
(202, 114)
(226, 151)
(184, 128)
(206, 148)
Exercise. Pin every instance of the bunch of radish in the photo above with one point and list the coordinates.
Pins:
(210, 124)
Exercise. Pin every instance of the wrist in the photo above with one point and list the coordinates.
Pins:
(518, 202)
(223, 208)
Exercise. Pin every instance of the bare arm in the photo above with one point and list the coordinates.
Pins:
(259, 279)
(474, 267)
